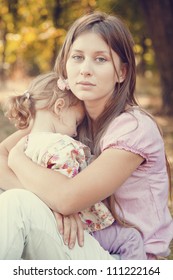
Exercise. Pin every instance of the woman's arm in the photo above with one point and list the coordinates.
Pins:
(8, 179)
(70, 195)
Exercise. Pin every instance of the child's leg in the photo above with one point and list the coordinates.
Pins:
(127, 242)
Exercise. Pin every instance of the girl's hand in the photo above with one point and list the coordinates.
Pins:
(71, 227)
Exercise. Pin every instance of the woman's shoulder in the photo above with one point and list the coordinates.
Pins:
(133, 120)
(133, 128)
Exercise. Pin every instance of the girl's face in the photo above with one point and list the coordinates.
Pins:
(91, 73)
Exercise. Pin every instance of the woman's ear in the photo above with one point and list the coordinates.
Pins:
(59, 105)
(123, 72)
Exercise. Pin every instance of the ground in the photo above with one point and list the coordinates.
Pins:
(148, 95)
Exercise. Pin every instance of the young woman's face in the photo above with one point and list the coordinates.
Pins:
(90, 70)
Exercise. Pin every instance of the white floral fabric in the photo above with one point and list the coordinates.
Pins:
(68, 156)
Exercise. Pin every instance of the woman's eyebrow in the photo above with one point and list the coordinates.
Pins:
(96, 52)
(75, 50)
(102, 52)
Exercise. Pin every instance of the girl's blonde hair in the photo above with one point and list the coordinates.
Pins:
(41, 94)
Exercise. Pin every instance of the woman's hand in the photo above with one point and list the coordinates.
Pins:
(14, 152)
(21, 144)
(71, 227)
(8, 179)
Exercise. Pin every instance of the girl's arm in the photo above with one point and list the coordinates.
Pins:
(8, 179)
(70, 195)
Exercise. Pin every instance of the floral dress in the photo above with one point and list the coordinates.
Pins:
(68, 156)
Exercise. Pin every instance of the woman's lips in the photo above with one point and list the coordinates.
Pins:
(85, 84)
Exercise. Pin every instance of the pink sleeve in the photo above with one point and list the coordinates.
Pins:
(136, 133)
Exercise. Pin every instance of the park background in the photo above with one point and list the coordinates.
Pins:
(32, 32)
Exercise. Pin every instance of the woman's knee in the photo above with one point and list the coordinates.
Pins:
(18, 202)
(11, 201)
(13, 197)
(12, 193)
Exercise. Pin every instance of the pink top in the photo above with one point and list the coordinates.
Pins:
(144, 195)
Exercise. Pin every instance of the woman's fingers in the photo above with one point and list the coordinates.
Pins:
(80, 230)
(67, 225)
(59, 220)
(71, 227)
(73, 232)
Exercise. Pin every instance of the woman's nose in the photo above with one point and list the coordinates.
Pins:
(86, 69)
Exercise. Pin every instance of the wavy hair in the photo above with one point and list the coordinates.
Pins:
(41, 94)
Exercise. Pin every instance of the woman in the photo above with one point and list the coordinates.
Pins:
(97, 59)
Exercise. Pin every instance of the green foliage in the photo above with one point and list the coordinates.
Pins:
(31, 32)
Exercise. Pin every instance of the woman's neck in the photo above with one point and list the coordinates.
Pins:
(94, 110)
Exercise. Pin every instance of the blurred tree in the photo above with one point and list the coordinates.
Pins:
(159, 19)
(64, 12)
(6, 26)
(31, 33)
(130, 12)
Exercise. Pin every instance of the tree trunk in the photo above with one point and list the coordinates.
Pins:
(159, 18)
(3, 39)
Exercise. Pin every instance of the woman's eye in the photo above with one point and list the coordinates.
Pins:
(77, 57)
(101, 59)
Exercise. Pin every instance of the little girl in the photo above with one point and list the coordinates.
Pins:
(54, 114)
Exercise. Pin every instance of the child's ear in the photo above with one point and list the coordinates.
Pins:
(123, 72)
(59, 105)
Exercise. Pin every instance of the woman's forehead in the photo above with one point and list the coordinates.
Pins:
(90, 40)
